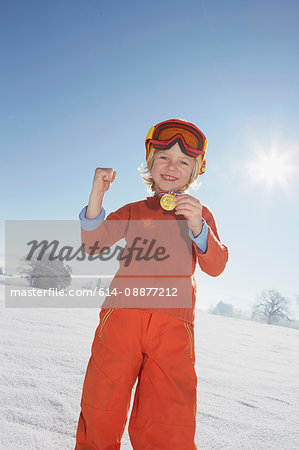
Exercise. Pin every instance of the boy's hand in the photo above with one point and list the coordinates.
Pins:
(102, 180)
(191, 208)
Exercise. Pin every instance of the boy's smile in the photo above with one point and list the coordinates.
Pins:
(171, 169)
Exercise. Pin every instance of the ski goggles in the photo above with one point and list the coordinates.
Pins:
(191, 140)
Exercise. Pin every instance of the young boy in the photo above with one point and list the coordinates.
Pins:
(144, 336)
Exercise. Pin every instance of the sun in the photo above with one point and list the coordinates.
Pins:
(271, 168)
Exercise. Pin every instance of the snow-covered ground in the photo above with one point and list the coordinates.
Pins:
(248, 375)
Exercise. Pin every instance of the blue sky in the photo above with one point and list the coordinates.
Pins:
(83, 81)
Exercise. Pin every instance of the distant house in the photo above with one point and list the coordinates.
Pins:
(223, 309)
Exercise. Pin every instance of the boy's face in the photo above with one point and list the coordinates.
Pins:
(171, 169)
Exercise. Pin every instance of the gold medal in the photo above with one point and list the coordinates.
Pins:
(167, 201)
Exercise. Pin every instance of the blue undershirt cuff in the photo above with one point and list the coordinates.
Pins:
(202, 239)
(91, 224)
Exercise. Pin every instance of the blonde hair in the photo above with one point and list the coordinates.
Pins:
(150, 182)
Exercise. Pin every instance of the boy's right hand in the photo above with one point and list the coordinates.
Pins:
(102, 180)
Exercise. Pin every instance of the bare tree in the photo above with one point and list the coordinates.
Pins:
(271, 306)
(103, 283)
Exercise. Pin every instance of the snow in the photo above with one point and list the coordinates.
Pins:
(247, 372)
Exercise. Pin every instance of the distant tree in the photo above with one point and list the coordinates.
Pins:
(223, 309)
(238, 313)
(103, 283)
(271, 307)
(46, 274)
(88, 285)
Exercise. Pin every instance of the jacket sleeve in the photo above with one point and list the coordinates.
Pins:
(110, 231)
(214, 260)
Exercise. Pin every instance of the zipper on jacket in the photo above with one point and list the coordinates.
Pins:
(108, 313)
(190, 337)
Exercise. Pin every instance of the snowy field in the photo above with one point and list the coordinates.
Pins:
(248, 374)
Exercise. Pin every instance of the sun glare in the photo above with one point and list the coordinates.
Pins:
(271, 169)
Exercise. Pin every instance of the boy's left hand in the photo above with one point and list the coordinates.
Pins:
(191, 208)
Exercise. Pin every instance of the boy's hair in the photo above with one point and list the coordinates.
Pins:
(150, 181)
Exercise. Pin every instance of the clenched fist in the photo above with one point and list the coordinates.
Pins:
(102, 180)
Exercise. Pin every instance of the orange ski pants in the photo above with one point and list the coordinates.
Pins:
(159, 350)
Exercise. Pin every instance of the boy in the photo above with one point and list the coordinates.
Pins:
(148, 337)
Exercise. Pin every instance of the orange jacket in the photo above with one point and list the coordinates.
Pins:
(116, 226)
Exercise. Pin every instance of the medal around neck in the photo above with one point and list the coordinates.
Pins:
(167, 201)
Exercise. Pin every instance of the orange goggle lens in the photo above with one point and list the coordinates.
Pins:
(165, 144)
(168, 133)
